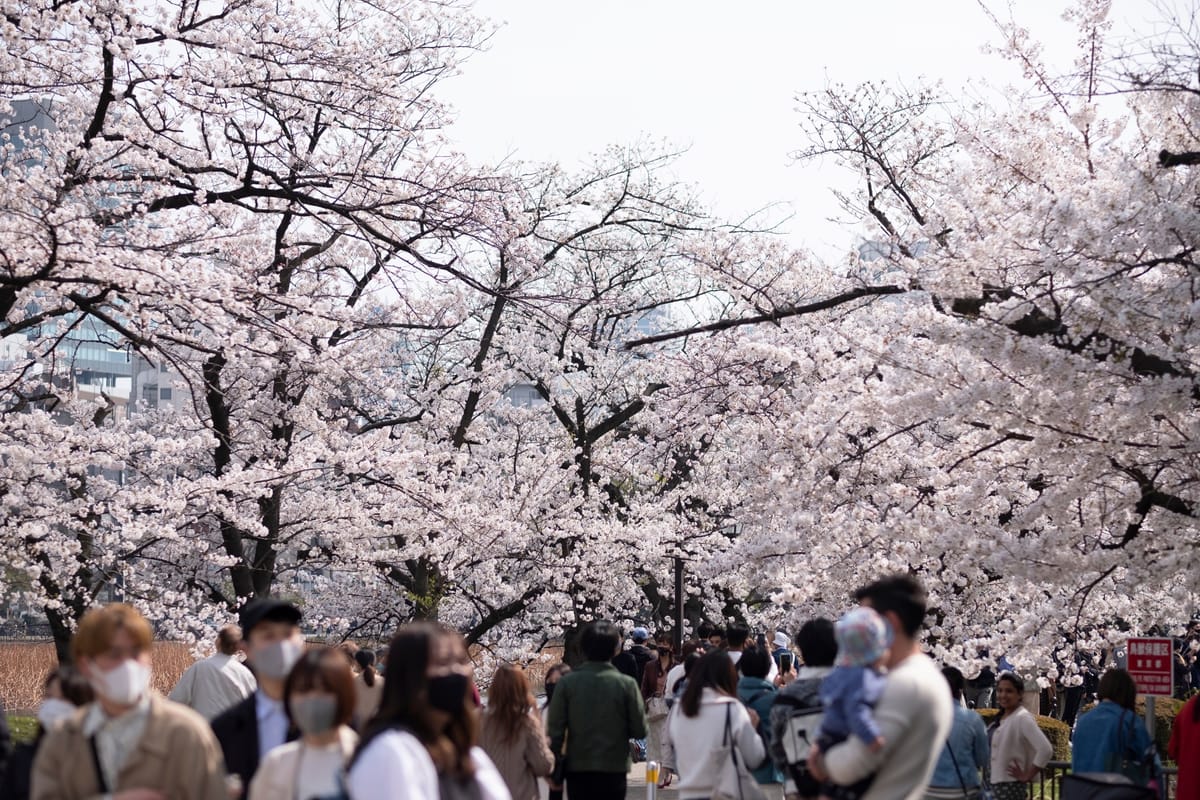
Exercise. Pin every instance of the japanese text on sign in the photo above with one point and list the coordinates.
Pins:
(1149, 662)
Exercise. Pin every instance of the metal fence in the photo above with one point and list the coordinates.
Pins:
(1045, 787)
(18, 631)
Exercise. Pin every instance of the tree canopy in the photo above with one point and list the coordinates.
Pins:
(402, 384)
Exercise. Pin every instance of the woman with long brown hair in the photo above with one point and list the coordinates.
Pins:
(512, 733)
(655, 692)
(422, 742)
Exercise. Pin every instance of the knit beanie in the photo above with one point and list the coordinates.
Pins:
(862, 638)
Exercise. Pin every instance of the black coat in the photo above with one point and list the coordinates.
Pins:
(633, 661)
(237, 731)
(6, 742)
(14, 785)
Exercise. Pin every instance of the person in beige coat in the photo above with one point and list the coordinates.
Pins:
(319, 699)
(369, 687)
(130, 742)
(512, 734)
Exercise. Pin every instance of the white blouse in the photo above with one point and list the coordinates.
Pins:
(396, 766)
(297, 771)
(1019, 738)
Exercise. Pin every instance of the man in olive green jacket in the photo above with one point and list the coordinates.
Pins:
(596, 710)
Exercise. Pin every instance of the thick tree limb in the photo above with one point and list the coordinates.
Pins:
(1167, 159)
(775, 316)
(1152, 497)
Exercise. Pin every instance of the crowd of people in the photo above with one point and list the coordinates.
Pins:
(855, 712)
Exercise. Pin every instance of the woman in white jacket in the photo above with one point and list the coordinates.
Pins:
(319, 699)
(696, 727)
(422, 743)
(1019, 748)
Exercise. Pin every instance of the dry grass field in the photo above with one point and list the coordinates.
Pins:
(23, 667)
(535, 670)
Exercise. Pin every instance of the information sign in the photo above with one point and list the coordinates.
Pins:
(1149, 662)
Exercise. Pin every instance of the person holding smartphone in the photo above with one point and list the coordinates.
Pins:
(783, 657)
(737, 639)
(758, 694)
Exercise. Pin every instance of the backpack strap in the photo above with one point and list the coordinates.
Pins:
(728, 736)
(104, 787)
(957, 770)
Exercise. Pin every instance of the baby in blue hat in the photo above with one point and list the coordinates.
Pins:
(850, 691)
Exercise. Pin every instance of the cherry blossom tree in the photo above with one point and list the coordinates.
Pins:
(546, 407)
(408, 386)
(248, 193)
(1013, 424)
(256, 199)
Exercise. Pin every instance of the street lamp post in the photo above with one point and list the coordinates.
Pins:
(678, 604)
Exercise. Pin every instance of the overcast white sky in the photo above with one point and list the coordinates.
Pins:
(564, 78)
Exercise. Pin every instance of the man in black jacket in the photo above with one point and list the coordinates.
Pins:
(6, 744)
(633, 661)
(250, 729)
(797, 712)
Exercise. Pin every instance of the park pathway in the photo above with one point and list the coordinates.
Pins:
(637, 786)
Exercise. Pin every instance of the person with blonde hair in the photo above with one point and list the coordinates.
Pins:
(130, 742)
(512, 733)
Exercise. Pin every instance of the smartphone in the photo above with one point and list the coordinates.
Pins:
(785, 662)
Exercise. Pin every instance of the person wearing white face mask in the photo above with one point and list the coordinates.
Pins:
(130, 744)
(64, 691)
(258, 724)
(319, 697)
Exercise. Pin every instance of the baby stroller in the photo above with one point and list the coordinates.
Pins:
(1103, 786)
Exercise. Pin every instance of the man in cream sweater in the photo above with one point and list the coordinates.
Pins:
(219, 682)
(914, 713)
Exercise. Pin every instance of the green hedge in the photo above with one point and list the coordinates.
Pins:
(23, 728)
(1058, 732)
